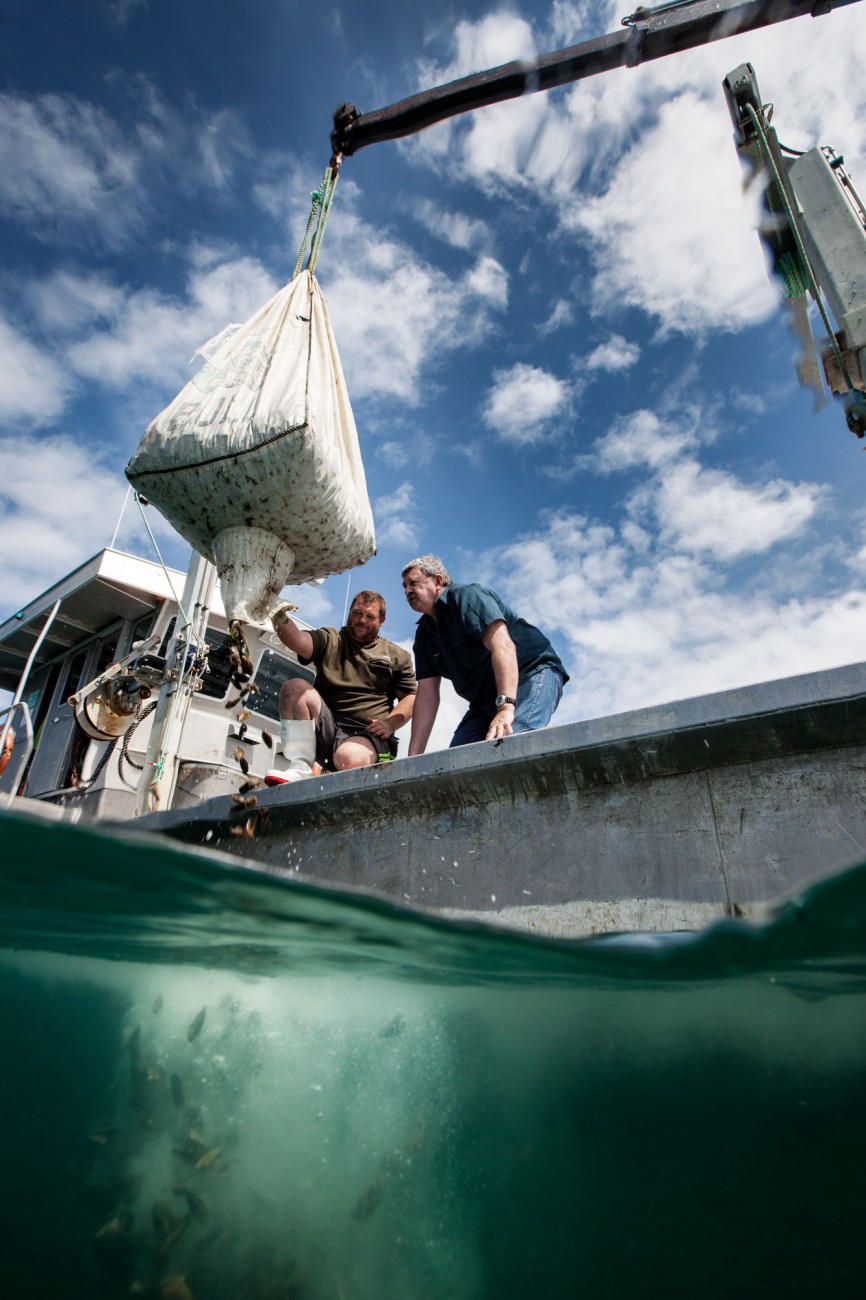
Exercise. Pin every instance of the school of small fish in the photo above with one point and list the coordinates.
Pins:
(171, 1241)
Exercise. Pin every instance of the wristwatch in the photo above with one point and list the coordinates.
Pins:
(504, 699)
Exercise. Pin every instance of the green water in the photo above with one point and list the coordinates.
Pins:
(403, 1108)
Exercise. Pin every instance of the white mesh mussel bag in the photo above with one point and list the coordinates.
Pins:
(256, 461)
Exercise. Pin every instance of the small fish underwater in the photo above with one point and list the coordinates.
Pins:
(227, 1086)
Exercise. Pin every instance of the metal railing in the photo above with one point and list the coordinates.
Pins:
(11, 778)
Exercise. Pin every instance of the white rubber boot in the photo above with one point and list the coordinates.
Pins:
(298, 743)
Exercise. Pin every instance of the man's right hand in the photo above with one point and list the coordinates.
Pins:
(280, 616)
(501, 726)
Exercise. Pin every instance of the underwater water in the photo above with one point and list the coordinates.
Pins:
(221, 1085)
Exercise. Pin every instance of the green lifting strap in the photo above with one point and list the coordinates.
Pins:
(804, 265)
(318, 219)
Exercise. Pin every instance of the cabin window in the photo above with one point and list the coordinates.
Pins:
(143, 628)
(74, 675)
(166, 640)
(273, 670)
(216, 681)
(106, 657)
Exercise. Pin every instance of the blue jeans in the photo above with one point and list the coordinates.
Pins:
(537, 700)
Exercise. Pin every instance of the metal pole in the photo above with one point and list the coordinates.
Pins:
(157, 782)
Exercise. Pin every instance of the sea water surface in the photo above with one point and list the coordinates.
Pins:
(221, 1085)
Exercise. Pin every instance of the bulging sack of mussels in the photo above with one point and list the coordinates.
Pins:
(256, 461)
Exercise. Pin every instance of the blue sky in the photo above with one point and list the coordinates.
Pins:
(571, 376)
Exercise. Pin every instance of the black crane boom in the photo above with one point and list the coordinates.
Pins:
(651, 32)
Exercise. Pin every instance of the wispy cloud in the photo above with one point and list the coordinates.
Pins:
(395, 454)
(119, 12)
(561, 314)
(640, 624)
(642, 438)
(691, 507)
(654, 603)
(395, 517)
(699, 265)
(454, 228)
(488, 279)
(71, 172)
(66, 301)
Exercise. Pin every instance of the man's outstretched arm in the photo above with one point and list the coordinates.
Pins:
(293, 637)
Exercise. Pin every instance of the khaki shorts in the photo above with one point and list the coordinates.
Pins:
(332, 729)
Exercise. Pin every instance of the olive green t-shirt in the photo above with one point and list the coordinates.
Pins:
(359, 681)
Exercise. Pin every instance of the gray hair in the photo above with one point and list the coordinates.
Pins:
(432, 566)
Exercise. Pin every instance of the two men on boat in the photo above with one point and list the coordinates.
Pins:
(504, 667)
(365, 689)
(363, 692)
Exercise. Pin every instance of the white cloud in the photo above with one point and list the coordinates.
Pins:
(498, 38)
(696, 264)
(119, 12)
(489, 281)
(152, 336)
(523, 402)
(34, 387)
(638, 627)
(58, 157)
(642, 438)
(395, 518)
(616, 354)
(695, 509)
(650, 606)
(59, 503)
(314, 603)
(411, 446)
(707, 510)
(570, 22)
(395, 454)
(396, 316)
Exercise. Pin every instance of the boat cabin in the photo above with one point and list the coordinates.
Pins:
(91, 619)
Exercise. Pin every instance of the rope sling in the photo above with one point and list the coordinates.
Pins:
(318, 219)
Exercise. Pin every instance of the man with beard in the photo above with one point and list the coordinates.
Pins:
(364, 691)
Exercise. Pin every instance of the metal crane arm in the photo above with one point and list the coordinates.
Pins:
(648, 33)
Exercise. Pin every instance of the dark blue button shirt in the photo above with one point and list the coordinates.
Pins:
(448, 644)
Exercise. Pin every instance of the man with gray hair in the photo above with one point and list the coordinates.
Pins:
(507, 669)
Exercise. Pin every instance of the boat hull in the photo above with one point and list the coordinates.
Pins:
(659, 819)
